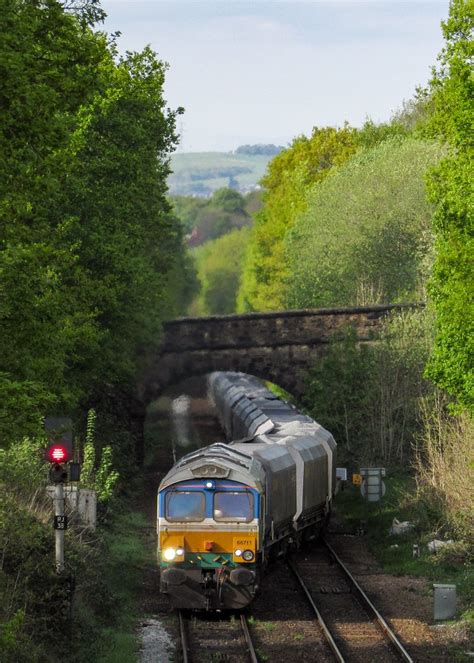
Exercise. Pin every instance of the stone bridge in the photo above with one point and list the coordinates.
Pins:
(278, 346)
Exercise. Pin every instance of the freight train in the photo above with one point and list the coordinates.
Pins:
(226, 510)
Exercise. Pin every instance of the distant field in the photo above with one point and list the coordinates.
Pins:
(201, 173)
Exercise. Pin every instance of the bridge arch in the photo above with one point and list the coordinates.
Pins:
(277, 346)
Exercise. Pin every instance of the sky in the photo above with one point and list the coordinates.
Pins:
(267, 71)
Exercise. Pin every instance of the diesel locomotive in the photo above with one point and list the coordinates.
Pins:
(226, 510)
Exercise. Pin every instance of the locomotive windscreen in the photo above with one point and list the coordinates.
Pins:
(185, 506)
(233, 506)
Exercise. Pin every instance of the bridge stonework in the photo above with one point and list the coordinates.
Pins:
(277, 346)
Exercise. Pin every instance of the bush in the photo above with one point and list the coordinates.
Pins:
(444, 466)
(36, 603)
(365, 236)
(367, 394)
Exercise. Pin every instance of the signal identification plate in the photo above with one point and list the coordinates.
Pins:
(60, 522)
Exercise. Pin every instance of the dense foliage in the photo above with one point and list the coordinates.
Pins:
(89, 248)
(368, 395)
(450, 185)
(308, 160)
(219, 268)
(206, 219)
(217, 231)
(365, 236)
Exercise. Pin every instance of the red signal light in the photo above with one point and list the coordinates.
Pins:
(57, 453)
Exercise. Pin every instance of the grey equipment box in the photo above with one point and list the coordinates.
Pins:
(444, 601)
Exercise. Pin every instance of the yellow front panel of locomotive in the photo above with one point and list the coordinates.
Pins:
(207, 541)
(176, 542)
(241, 543)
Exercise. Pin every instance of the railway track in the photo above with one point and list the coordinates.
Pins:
(354, 629)
(221, 638)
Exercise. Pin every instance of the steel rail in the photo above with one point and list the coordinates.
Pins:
(184, 637)
(248, 639)
(185, 640)
(372, 609)
(327, 633)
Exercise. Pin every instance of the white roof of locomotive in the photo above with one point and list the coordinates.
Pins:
(217, 461)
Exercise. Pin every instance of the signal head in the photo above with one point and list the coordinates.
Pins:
(58, 453)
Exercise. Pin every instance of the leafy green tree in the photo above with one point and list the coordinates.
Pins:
(49, 60)
(91, 257)
(306, 161)
(208, 219)
(450, 187)
(128, 238)
(219, 266)
(365, 236)
(368, 395)
(187, 209)
(229, 200)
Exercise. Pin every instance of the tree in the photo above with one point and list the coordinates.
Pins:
(450, 187)
(366, 234)
(205, 220)
(49, 62)
(89, 249)
(229, 200)
(129, 240)
(219, 265)
(306, 161)
(368, 394)
(266, 149)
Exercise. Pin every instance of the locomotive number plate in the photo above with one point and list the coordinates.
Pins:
(244, 543)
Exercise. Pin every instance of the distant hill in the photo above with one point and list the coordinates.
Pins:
(202, 173)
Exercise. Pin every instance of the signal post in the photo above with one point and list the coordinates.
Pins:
(59, 452)
(60, 525)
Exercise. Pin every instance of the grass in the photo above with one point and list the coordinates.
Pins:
(111, 612)
(450, 567)
(267, 626)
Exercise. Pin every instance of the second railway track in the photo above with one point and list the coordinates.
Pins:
(221, 638)
(354, 629)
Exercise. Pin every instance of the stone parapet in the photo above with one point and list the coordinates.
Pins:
(277, 346)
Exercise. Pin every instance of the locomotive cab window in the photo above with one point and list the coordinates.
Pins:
(185, 506)
(236, 506)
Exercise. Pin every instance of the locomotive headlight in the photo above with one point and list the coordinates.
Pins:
(169, 554)
(238, 552)
(247, 555)
(179, 552)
